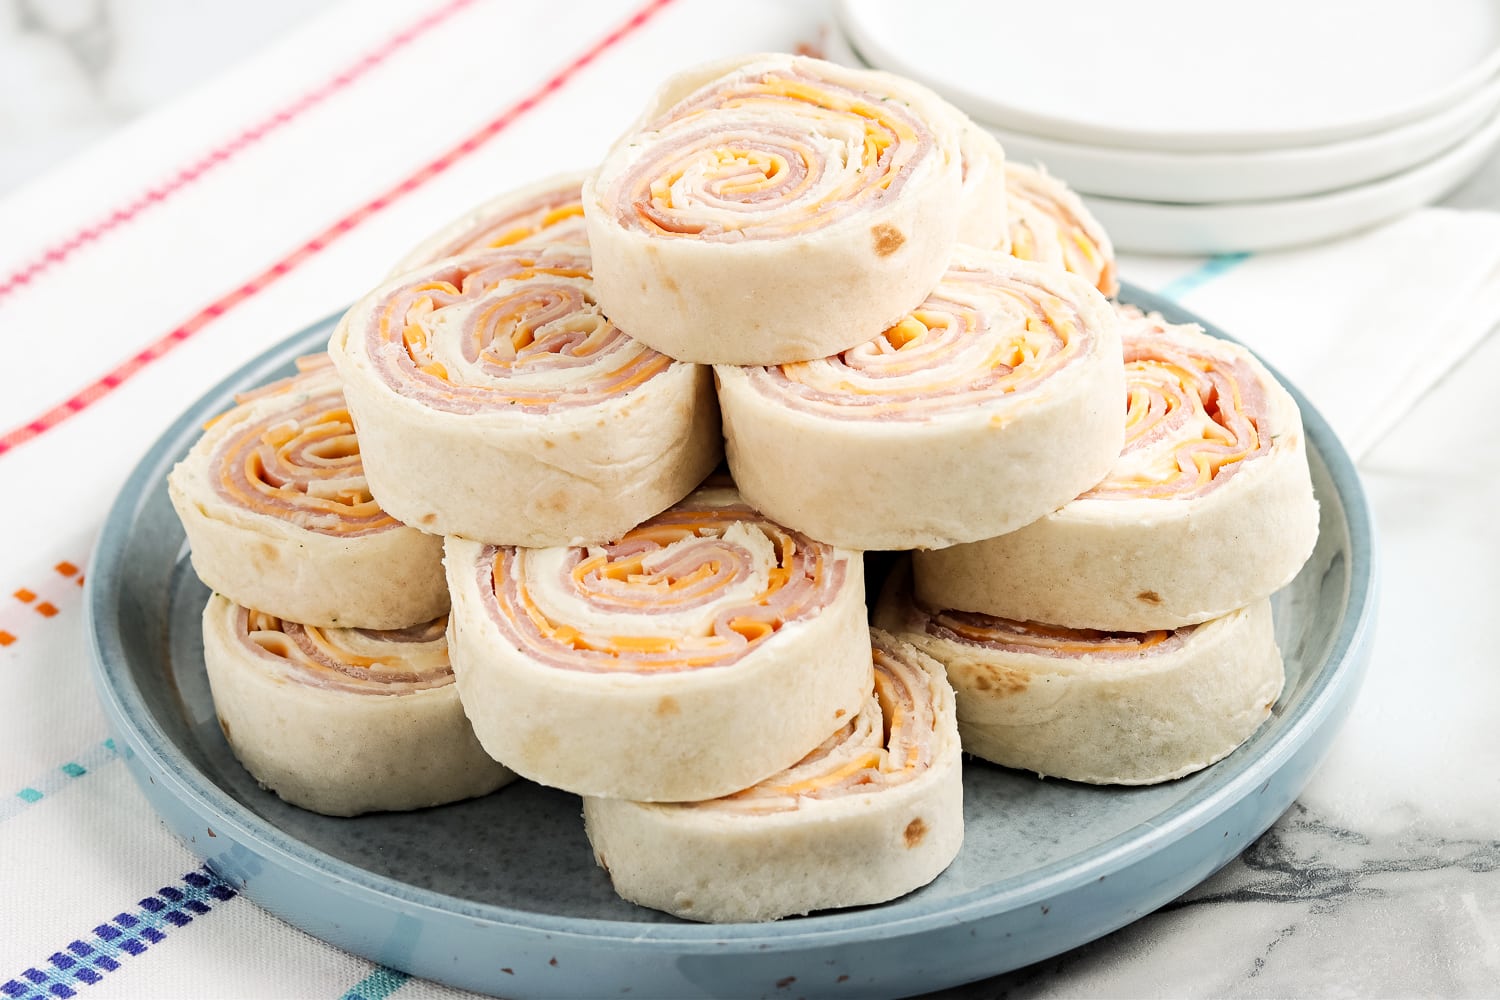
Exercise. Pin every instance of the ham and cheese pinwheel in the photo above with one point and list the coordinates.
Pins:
(343, 721)
(495, 401)
(1208, 508)
(549, 211)
(279, 517)
(1000, 395)
(703, 651)
(982, 199)
(775, 209)
(985, 215)
(1107, 708)
(873, 813)
(1049, 224)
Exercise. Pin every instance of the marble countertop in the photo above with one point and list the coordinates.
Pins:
(1382, 880)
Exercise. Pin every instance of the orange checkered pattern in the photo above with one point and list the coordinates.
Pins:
(46, 600)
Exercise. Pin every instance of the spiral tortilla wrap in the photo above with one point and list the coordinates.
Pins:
(782, 210)
(1208, 508)
(495, 401)
(549, 211)
(1000, 395)
(983, 214)
(1050, 225)
(985, 207)
(1106, 708)
(343, 721)
(703, 651)
(873, 813)
(278, 514)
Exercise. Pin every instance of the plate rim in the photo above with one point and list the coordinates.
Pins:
(901, 917)
(994, 111)
(1275, 223)
(1249, 177)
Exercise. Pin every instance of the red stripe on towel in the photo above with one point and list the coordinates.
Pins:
(112, 380)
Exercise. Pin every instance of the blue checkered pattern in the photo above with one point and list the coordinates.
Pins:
(88, 960)
(84, 763)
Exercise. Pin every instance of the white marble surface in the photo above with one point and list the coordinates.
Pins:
(1383, 880)
(72, 71)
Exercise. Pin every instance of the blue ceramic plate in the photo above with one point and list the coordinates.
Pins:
(501, 894)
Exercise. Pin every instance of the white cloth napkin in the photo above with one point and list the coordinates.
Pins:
(153, 265)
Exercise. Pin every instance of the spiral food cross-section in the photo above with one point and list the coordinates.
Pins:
(775, 209)
(1196, 412)
(343, 721)
(498, 402)
(516, 330)
(702, 651)
(895, 738)
(1000, 393)
(362, 661)
(300, 461)
(817, 151)
(278, 511)
(550, 211)
(1213, 473)
(981, 334)
(700, 585)
(1049, 224)
(874, 811)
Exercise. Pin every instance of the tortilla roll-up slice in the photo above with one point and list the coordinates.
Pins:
(279, 516)
(783, 210)
(1105, 708)
(495, 401)
(549, 211)
(1208, 508)
(1000, 394)
(343, 721)
(982, 209)
(1049, 224)
(984, 205)
(703, 651)
(875, 812)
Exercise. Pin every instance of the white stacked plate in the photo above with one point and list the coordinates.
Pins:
(1195, 127)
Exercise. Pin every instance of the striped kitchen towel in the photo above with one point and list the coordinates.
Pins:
(147, 269)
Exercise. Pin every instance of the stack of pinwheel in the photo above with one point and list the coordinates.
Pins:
(911, 348)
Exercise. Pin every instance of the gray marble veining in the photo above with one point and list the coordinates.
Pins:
(82, 29)
(1299, 914)
(73, 71)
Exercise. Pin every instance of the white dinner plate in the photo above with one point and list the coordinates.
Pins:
(1154, 227)
(1186, 75)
